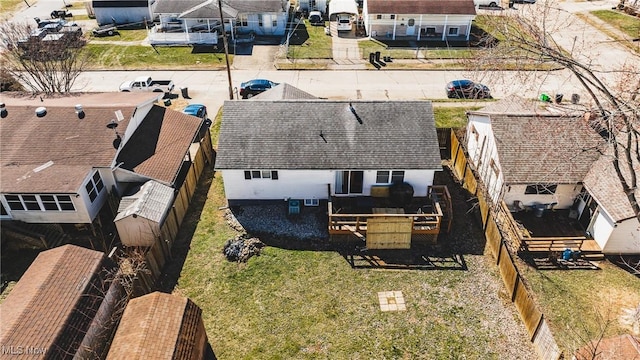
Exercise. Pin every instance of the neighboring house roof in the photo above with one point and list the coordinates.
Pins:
(604, 185)
(151, 201)
(73, 145)
(283, 91)
(343, 6)
(158, 147)
(208, 9)
(613, 348)
(53, 304)
(544, 149)
(328, 134)
(449, 7)
(160, 326)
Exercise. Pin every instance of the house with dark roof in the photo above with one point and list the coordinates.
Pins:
(361, 159)
(418, 19)
(161, 326)
(62, 159)
(534, 155)
(136, 13)
(199, 22)
(313, 149)
(50, 311)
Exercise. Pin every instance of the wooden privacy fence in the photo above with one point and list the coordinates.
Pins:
(497, 240)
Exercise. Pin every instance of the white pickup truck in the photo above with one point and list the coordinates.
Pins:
(145, 83)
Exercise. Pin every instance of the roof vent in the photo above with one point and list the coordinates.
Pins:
(41, 111)
(3, 110)
(80, 111)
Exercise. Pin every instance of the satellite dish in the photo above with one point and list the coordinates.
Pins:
(112, 125)
(119, 115)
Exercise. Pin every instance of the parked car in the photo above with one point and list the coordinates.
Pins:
(467, 89)
(60, 14)
(146, 83)
(315, 18)
(487, 3)
(344, 22)
(254, 87)
(197, 110)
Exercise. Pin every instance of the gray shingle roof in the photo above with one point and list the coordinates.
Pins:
(207, 9)
(603, 184)
(544, 149)
(283, 91)
(287, 135)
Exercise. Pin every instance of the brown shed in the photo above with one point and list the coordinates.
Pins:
(161, 326)
(48, 312)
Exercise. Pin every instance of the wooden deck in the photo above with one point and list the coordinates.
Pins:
(427, 216)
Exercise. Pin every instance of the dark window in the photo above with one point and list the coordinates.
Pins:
(356, 182)
(14, 202)
(265, 174)
(541, 189)
(393, 16)
(411, 22)
(274, 175)
(91, 191)
(274, 22)
(247, 175)
(378, 16)
(65, 203)
(3, 211)
(49, 202)
(31, 202)
(255, 174)
(382, 177)
(453, 31)
(397, 176)
(98, 181)
(260, 20)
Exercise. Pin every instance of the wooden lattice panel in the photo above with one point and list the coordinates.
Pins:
(389, 232)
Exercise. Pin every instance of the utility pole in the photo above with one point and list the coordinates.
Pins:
(226, 49)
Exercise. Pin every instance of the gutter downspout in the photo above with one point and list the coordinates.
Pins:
(444, 30)
(420, 27)
(395, 21)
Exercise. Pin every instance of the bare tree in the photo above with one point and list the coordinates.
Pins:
(43, 61)
(613, 90)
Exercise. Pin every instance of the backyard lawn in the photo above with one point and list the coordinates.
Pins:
(580, 305)
(305, 301)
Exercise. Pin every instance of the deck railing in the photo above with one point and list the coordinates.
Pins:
(348, 223)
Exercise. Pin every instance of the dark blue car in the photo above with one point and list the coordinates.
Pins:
(467, 89)
(254, 87)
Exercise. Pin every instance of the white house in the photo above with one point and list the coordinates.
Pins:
(136, 13)
(198, 22)
(605, 209)
(529, 153)
(312, 5)
(311, 149)
(448, 20)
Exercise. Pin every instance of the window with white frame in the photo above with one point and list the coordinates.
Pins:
(94, 186)
(392, 16)
(261, 174)
(541, 189)
(40, 202)
(453, 31)
(387, 177)
(311, 202)
(378, 17)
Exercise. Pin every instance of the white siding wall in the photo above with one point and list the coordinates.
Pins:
(601, 228)
(482, 149)
(308, 184)
(624, 239)
(122, 15)
(80, 216)
(137, 231)
(564, 196)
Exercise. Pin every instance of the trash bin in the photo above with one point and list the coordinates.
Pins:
(575, 98)
(377, 56)
(185, 92)
(566, 254)
(544, 97)
(559, 98)
(538, 210)
(372, 57)
(167, 102)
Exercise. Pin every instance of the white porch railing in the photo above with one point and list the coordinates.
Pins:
(182, 38)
